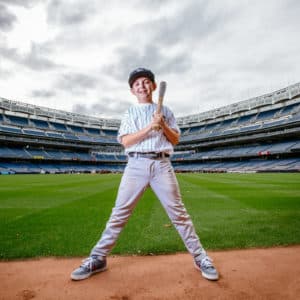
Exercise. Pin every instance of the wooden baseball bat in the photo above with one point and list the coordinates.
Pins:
(161, 94)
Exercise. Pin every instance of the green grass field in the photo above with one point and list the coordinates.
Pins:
(64, 215)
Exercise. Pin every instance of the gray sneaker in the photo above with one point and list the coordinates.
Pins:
(90, 266)
(207, 269)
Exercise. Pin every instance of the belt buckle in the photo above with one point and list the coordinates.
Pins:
(156, 155)
(164, 155)
(161, 155)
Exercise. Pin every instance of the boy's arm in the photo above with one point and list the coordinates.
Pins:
(171, 134)
(136, 137)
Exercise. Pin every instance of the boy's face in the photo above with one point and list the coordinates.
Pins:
(142, 88)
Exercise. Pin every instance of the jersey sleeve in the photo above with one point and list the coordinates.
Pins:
(125, 127)
(171, 121)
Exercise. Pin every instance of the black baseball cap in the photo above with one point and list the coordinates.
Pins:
(140, 72)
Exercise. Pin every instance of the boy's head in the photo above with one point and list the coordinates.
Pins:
(140, 72)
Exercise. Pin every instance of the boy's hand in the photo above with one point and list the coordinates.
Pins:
(157, 121)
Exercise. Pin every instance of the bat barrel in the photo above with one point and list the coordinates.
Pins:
(162, 89)
(161, 93)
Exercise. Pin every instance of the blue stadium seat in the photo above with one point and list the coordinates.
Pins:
(76, 129)
(196, 129)
(37, 153)
(6, 152)
(10, 129)
(250, 127)
(231, 131)
(70, 136)
(40, 123)
(107, 132)
(34, 132)
(245, 119)
(273, 123)
(59, 126)
(93, 131)
(282, 147)
(289, 108)
(54, 134)
(20, 121)
(86, 138)
(210, 127)
(269, 114)
(227, 123)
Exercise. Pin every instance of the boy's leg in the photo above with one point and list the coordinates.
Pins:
(133, 184)
(165, 185)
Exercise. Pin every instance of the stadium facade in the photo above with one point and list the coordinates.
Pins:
(261, 134)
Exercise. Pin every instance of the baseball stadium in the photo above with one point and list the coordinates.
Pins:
(257, 135)
(238, 168)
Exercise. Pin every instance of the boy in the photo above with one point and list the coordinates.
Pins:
(148, 151)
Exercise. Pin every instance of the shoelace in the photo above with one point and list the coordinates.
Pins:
(206, 262)
(87, 263)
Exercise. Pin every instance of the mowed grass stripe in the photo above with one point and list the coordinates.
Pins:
(253, 211)
(48, 191)
(66, 223)
(64, 215)
(213, 210)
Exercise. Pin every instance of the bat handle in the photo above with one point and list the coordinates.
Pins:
(156, 127)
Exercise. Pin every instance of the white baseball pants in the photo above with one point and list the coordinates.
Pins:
(160, 176)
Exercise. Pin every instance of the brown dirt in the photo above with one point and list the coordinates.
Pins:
(272, 273)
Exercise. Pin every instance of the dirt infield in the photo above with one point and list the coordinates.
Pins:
(272, 273)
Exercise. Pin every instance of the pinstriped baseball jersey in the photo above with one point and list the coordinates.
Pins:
(138, 117)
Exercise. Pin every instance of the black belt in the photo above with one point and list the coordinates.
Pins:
(152, 155)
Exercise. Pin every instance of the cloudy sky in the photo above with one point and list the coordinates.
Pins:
(75, 55)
